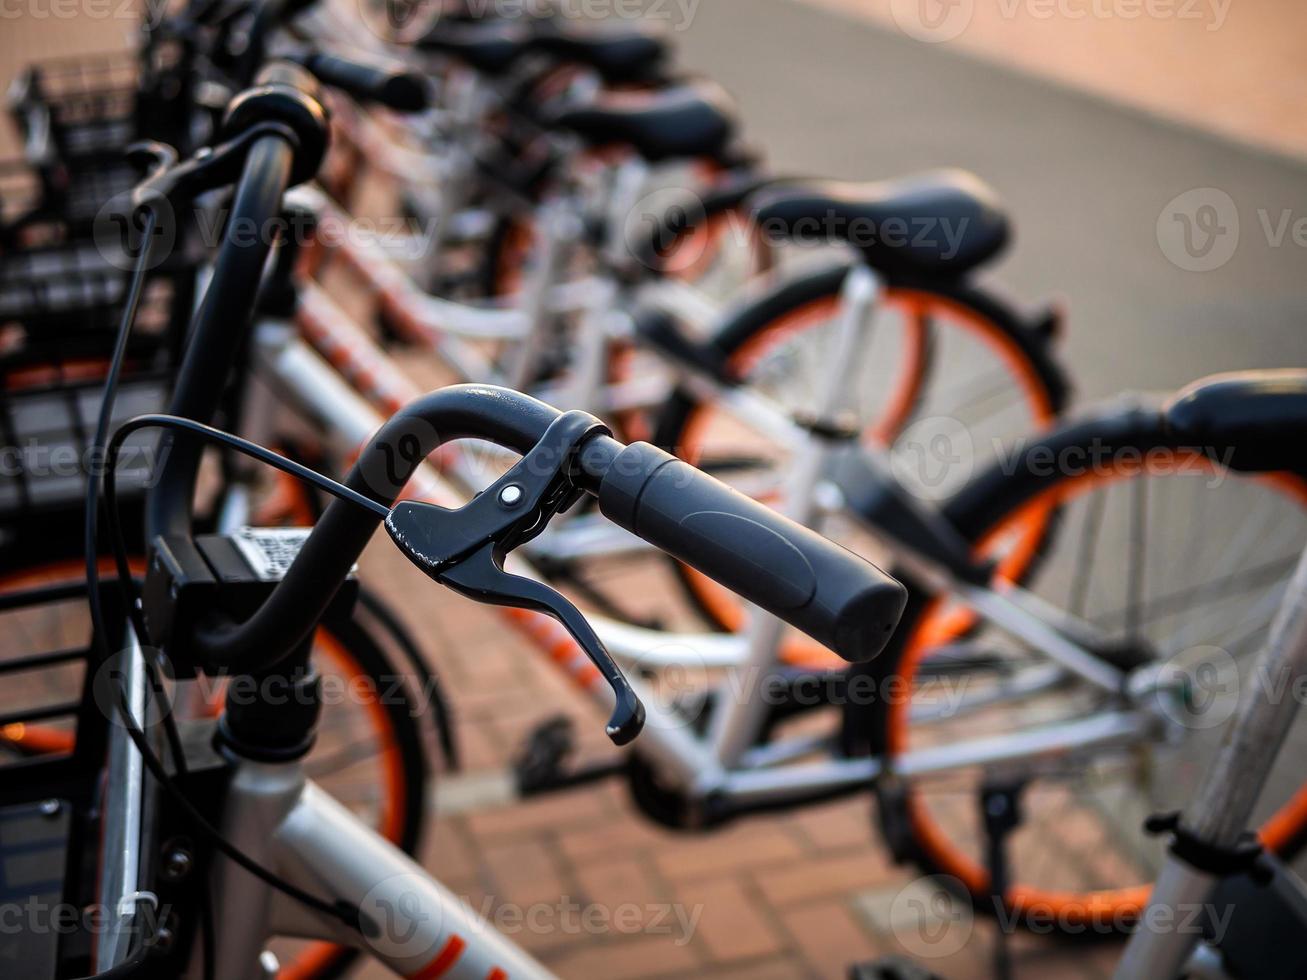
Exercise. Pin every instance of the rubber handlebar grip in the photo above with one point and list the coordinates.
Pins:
(839, 599)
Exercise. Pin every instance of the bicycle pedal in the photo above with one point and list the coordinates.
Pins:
(541, 761)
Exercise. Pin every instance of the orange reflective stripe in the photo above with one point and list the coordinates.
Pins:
(445, 959)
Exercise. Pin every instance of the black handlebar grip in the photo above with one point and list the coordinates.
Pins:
(403, 91)
(837, 598)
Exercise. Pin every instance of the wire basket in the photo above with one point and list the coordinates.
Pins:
(64, 831)
(76, 109)
(57, 202)
(72, 294)
(59, 310)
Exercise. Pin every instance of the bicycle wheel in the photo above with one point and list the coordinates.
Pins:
(942, 361)
(369, 754)
(1180, 565)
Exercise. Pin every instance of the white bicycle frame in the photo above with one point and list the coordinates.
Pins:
(1223, 806)
(287, 824)
(724, 763)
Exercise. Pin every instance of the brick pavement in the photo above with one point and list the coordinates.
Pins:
(796, 895)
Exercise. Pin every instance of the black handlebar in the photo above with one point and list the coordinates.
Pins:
(218, 329)
(804, 579)
(287, 95)
(394, 88)
(837, 598)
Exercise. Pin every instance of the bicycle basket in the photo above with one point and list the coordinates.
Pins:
(56, 203)
(59, 310)
(75, 808)
(76, 108)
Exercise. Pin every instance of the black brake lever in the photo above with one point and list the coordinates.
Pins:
(481, 577)
(465, 549)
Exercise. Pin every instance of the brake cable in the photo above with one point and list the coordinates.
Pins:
(347, 914)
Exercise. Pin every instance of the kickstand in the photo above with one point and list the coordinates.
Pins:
(1000, 810)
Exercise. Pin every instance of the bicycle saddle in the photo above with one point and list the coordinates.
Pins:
(620, 53)
(941, 223)
(1260, 412)
(674, 123)
(491, 46)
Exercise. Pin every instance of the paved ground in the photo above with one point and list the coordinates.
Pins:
(1228, 66)
(1086, 183)
(802, 895)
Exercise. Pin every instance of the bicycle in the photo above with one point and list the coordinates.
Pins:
(1213, 864)
(923, 331)
(288, 870)
(60, 295)
(1113, 703)
(686, 787)
(1223, 903)
(1009, 514)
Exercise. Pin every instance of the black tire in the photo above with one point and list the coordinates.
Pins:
(1032, 339)
(980, 506)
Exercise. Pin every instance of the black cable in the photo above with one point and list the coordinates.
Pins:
(341, 911)
(105, 418)
(127, 968)
(99, 623)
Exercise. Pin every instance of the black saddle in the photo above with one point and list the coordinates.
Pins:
(942, 223)
(491, 46)
(684, 122)
(1255, 414)
(622, 54)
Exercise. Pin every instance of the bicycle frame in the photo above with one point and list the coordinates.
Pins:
(418, 927)
(1223, 806)
(726, 762)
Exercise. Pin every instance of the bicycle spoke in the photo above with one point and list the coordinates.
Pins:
(1084, 563)
(1138, 555)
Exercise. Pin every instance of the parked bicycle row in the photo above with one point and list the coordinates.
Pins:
(230, 263)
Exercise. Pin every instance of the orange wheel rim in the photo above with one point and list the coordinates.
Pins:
(800, 651)
(1114, 904)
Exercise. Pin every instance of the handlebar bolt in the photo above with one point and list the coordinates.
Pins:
(511, 495)
(177, 864)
